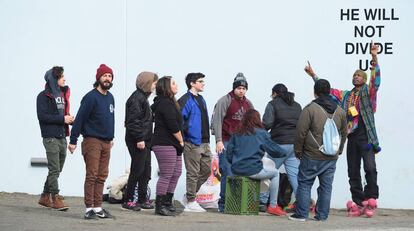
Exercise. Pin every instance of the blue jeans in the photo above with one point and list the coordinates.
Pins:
(225, 170)
(273, 175)
(308, 170)
(292, 167)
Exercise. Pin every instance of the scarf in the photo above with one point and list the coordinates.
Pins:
(361, 100)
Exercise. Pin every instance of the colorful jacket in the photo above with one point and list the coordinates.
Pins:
(365, 102)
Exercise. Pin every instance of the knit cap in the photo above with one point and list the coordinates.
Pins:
(240, 80)
(361, 73)
(103, 69)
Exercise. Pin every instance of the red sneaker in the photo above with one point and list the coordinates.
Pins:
(277, 210)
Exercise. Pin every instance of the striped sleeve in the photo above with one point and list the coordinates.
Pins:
(373, 87)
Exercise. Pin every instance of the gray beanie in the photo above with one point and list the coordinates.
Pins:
(240, 80)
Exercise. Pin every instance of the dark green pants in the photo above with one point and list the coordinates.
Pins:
(56, 155)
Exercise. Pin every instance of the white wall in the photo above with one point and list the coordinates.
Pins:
(269, 41)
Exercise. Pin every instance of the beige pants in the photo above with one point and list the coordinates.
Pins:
(197, 159)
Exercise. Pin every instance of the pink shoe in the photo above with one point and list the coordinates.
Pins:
(370, 206)
(353, 209)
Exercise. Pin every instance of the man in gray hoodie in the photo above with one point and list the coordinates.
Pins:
(228, 113)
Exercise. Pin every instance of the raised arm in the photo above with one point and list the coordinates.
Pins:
(375, 79)
(374, 53)
(309, 70)
(337, 93)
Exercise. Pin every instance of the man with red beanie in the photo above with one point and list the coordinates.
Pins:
(95, 121)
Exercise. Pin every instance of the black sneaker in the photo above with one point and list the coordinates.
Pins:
(315, 218)
(90, 215)
(104, 214)
(295, 217)
(262, 207)
(132, 206)
(146, 205)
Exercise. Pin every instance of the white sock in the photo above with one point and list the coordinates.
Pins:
(88, 209)
(97, 209)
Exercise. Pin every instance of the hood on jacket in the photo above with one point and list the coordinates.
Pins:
(52, 85)
(327, 102)
(145, 80)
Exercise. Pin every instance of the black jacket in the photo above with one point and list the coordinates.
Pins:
(52, 124)
(138, 118)
(281, 119)
(168, 120)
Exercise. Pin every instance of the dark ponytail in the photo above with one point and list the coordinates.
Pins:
(282, 91)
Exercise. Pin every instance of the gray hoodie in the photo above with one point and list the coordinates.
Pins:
(54, 88)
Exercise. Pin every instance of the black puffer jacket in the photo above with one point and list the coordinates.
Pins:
(138, 118)
(281, 119)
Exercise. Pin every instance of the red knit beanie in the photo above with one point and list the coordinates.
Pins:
(103, 69)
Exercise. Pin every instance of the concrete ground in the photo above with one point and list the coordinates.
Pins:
(20, 211)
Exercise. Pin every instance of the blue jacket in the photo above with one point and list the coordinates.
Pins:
(191, 113)
(245, 152)
(95, 118)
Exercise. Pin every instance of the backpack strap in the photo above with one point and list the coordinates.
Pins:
(326, 114)
(327, 117)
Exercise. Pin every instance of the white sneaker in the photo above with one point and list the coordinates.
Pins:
(193, 207)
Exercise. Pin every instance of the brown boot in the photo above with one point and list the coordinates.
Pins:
(45, 200)
(58, 203)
